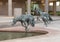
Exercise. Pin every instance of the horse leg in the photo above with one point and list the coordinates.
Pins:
(38, 18)
(22, 23)
(45, 21)
(25, 24)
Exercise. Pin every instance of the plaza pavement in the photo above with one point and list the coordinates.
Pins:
(53, 32)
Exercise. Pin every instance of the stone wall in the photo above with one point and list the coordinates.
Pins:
(19, 5)
(15, 4)
(58, 8)
(3, 9)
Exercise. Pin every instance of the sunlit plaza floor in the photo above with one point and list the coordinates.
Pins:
(53, 28)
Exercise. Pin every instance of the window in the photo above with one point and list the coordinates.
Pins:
(57, 3)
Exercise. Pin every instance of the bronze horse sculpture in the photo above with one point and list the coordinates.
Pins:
(25, 20)
(45, 16)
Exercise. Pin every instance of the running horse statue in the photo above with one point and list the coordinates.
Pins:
(44, 15)
(25, 20)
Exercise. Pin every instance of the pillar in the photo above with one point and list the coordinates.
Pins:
(9, 7)
(46, 6)
(54, 7)
(28, 7)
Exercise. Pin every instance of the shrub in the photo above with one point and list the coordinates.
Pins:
(58, 13)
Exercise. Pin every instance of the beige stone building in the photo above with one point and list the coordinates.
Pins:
(8, 7)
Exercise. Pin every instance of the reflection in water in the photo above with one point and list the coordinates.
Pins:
(13, 35)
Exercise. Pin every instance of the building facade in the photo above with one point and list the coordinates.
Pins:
(7, 6)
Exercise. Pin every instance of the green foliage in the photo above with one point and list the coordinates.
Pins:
(58, 13)
(50, 12)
